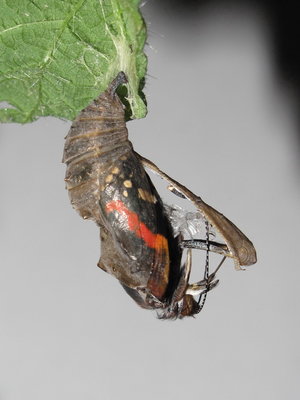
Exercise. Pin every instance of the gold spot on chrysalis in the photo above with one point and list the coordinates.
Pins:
(125, 193)
(115, 170)
(146, 196)
(127, 184)
(109, 178)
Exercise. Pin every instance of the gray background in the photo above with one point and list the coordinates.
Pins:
(221, 122)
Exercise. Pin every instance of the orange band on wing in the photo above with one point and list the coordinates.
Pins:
(159, 276)
(153, 240)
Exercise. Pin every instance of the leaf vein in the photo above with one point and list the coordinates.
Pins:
(29, 24)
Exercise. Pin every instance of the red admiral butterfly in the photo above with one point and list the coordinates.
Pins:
(107, 183)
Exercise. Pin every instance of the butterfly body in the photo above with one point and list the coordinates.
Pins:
(107, 183)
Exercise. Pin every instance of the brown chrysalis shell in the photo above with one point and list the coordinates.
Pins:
(108, 184)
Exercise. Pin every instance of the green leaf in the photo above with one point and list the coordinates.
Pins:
(58, 55)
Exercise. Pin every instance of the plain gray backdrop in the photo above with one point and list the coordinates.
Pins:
(220, 122)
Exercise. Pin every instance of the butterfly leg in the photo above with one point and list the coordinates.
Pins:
(201, 244)
(205, 284)
(196, 288)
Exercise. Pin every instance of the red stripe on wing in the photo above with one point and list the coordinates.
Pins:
(159, 277)
(153, 240)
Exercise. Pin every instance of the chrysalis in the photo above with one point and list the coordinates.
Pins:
(108, 184)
